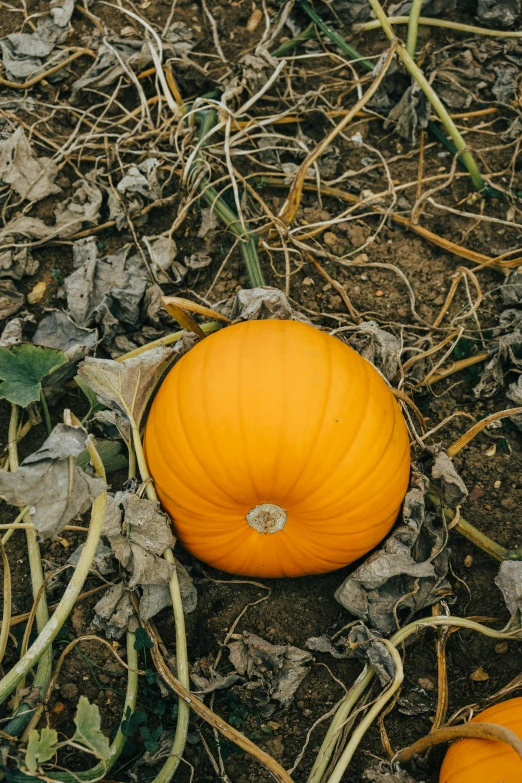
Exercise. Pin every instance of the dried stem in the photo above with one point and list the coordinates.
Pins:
(484, 731)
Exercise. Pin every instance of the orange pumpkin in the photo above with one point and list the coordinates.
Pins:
(485, 761)
(277, 450)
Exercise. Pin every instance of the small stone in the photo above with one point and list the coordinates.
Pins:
(327, 287)
(468, 561)
(479, 675)
(37, 293)
(497, 484)
(439, 300)
(362, 258)
(253, 22)
(330, 238)
(508, 503)
(379, 293)
(426, 684)
(501, 648)
(364, 278)
(69, 690)
(308, 281)
(476, 493)
(491, 451)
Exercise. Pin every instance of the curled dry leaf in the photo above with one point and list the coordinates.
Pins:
(51, 484)
(57, 330)
(83, 207)
(454, 490)
(30, 177)
(379, 347)
(103, 560)
(410, 114)
(256, 304)
(142, 179)
(366, 646)
(509, 581)
(279, 668)
(11, 302)
(24, 53)
(13, 332)
(139, 533)
(162, 252)
(114, 612)
(15, 262)
(325, 645)
(406, 574)
(105, 291)
(157, 596)
(498, 13)
(128, 385)
(210, 681)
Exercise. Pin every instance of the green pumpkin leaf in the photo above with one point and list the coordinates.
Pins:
(110, 452)
(22, 369)
(94, 404)
(88, 732)
(41, 747)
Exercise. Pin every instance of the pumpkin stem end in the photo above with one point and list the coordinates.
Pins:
(267, 518)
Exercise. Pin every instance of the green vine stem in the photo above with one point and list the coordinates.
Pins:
(248, 241)
(64, 608)
(44, 668)
(366, 722)
(182, 668)
(413, 27)
(131, 696)
(465, 155)
(323, 757)
(445, 23)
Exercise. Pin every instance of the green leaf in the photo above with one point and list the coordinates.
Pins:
(22, 369)
(142, 640)
(88, 732)
(41, 747)
(111, 455)
(94, 404)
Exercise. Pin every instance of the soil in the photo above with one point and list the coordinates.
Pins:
(295, 609)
